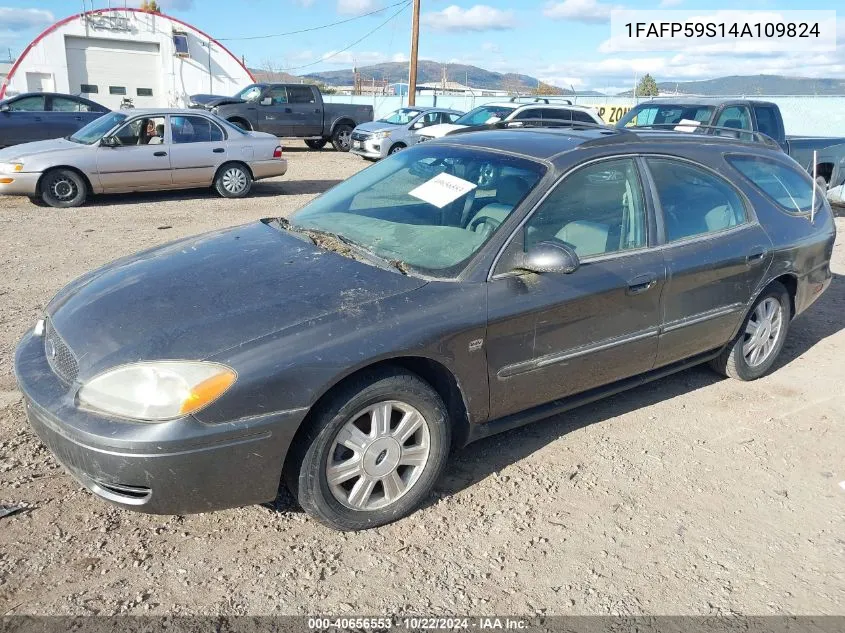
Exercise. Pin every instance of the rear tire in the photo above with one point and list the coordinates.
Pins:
(342, 137)
(316, 143)
(372, 452)
(754, 350)
(233, 180)
(63, 189)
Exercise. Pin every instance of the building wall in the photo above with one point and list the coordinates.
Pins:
(802, 115)
(46, 60)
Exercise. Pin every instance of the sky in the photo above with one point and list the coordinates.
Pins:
(562, 42)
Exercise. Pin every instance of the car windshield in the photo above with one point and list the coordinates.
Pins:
(95, 130)
(401, 117)
(250, 93)
(429, 208)
(482, 114)
(657, 114)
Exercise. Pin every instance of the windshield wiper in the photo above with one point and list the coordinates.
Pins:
(343, 246)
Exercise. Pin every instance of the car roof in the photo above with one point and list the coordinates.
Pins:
(705, 101)
(546, 143)
(162, 111)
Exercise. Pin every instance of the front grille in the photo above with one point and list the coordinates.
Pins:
(61, 359)
(359, 136)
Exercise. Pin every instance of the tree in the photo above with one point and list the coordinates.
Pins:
(647, 87)
(546, 89)
(150, 6)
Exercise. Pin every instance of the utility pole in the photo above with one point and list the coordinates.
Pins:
(415, 43)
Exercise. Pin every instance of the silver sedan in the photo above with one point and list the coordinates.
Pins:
(141, 150)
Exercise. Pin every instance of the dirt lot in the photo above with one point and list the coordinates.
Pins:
(694, 495)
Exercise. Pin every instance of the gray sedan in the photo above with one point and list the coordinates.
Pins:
(142, 150)
(398, 130)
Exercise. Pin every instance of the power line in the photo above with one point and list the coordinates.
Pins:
(313, 28)
(355, 43)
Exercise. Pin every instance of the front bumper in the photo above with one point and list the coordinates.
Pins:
(372, 148)
(268, 168)
(177, 467)
(22, 184)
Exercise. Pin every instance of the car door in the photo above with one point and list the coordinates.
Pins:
(67, 115)
(306, 113)
(140, 158)
(553, 335)
(715, 253)
(275, 115)
(197, 149)
(24, 120)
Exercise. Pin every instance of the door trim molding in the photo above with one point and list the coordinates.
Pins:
(701, 317)
(522, 367)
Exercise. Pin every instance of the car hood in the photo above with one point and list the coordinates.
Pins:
(211, 101)
(38, 147)
(201, 295)
(437, 131)
(377, 126)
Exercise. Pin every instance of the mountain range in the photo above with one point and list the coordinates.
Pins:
(432, 72)
(768, 85)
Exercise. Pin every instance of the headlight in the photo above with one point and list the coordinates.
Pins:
(11, 168)
(156, 391)
(381, 135)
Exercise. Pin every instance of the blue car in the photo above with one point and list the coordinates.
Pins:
(37, 116)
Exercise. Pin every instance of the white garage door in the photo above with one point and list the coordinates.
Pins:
(106, 71)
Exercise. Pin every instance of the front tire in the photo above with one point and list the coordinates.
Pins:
(342, 138)
(241, 124)
(396, 149)
(372, 453)
(63, 188)
(754, 350)
(233, 180)
(316, 143)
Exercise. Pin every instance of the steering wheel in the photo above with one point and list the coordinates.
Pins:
(489, 225)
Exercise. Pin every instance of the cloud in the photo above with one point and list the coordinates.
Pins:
(24, 19)
(479, 18)
(356, 7)
(668, 4)
(588, 11)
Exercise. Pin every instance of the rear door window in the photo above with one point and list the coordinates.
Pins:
(694, 201)
(767, 121)
(301, 94)
(789, 187)
(28, 104)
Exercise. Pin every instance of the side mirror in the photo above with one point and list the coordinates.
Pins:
(550, 257)
(108, 141)
(4, 107)
(266, 101)
(418, 125)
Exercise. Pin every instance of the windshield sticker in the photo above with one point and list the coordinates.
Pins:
(442, 190)
(687, 125)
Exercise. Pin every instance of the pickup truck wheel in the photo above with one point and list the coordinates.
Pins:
(241, 124)
(316, 143)
(233, 181)
(342, 137)
(63, 188)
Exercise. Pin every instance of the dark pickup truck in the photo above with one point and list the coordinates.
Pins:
(723, 115)
(289, 110)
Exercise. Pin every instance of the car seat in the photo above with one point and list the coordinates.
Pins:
(509, 191)
(585, 237)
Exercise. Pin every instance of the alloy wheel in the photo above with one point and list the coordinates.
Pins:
(762, 332)
(378, 455)
(63, 188)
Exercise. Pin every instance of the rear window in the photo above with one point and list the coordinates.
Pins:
(789, 187)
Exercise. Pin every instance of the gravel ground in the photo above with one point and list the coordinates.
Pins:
(693, 495)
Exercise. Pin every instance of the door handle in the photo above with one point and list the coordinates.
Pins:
(160, 154)
(218, 150)
(756, 257)
(288, 110)
(317, 110)
(641, 283)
